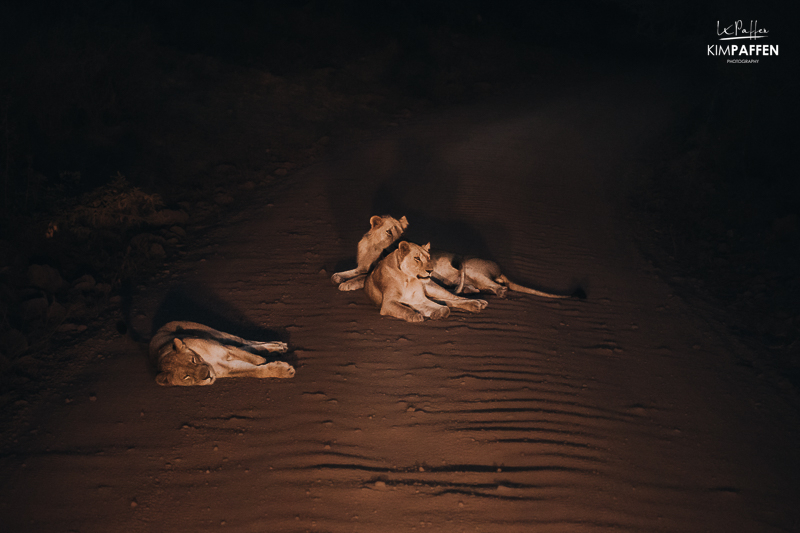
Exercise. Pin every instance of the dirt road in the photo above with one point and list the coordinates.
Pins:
(627, 411)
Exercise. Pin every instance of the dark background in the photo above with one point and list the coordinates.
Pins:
(77, 76)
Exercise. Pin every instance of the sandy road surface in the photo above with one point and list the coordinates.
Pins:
(623, 412)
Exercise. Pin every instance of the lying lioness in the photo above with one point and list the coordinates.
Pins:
(383, 232)
(187, 353)
(401, 286)
(473, 274)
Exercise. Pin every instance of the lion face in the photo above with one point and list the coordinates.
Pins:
(385, 230)
(415, 260)
(183, 367)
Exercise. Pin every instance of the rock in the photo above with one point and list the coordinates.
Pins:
(78, 307)
(157, 251)
(224, 199)
(34, 309)
(167, 217)
(67, 328)
(102, 289)
(13, 343)
(280, 172)
(56, 313)
(45, 277)
(84, 283)
(28, 366)
(225, 169)
(179, 231)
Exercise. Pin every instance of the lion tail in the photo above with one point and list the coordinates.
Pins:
(462, 276)
(578, 293)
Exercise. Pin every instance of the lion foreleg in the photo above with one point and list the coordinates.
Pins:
(354, 283)
(341, 277)
(398, 310)
(435, 292)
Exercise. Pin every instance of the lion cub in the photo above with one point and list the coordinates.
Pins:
(401, 286)
(383, 232)
(187, 353)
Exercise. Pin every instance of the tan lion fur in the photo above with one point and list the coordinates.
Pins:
(383, 232)
(401, 286)
(188, 353)
(472, 275)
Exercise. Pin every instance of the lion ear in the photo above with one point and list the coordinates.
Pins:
(375, 221)
(427, 247)
(404, 222)
(404, 248)
(162, 379)
(177, 344)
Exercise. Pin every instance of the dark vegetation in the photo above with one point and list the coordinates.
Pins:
(125, 126)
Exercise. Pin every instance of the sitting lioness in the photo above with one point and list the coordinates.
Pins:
(401, 286)
(187, 353)
(383, 232)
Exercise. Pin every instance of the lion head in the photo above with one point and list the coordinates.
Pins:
(415, 260)
(384, 230)
(182, 366)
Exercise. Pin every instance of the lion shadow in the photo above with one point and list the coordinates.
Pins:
(192, 302)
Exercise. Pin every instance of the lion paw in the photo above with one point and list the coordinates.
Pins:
(442, 312)
(336, 279)
(416, 317)
(279, 369)
(352, 285)
(475, 306)
(274, 346)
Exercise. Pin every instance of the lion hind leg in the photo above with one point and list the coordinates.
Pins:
(273, 346)
(483, 283)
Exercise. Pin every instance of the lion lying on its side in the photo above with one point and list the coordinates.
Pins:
(400, 284)
(472, 274)
(187, 353)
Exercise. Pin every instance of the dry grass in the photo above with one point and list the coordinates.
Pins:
(117, 206)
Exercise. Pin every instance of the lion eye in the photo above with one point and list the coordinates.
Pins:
(417, 259)
(186, 377)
